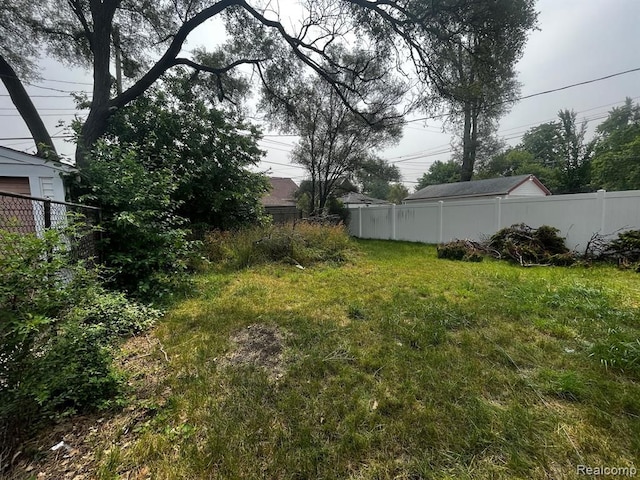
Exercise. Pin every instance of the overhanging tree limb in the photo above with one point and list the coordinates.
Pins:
(167, 60)
(26, 109)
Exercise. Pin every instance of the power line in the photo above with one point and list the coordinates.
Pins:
(47, 109)
(39, 96)
(546, 92)
(511, 136)
(31, 138)
(44, 114)
(586, 82)
(51, 80)
(283, 164)
(67, 81)
(56, 89)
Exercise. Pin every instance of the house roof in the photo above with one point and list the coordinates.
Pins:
(15, 156)
(475, 188)
(354, 198)
(281, 194)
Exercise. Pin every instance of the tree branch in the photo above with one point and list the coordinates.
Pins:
(296, 45)
(216, 70)
(76, 8)
(27, 110)
(167, 60)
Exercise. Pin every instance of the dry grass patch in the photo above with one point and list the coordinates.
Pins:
(258, 346)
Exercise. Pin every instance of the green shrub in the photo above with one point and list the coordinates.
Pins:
(57, 325)
(72, 372)
(113, 312)
(625, 249)
(145, 242)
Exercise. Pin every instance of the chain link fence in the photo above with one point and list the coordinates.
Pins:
(24, 214)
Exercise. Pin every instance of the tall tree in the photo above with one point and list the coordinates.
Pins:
(576, 153)
(473, 67)
(616, 162)
(440, 172)
(375, 177)
(558, 153)
(149, 38)
(335, 142)
(397, 193)
(518, 161)
(543, 143)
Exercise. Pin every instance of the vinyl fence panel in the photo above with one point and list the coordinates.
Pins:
(578, 217)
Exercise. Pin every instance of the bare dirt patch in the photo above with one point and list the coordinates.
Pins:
(88, 439)
(260, 346)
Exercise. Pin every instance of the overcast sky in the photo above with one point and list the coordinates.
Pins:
(578, 40)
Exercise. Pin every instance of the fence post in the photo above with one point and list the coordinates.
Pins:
(360, 221)
(393, 221)
(600, 198)
(498, 213)
(47, 214)
(441, 221)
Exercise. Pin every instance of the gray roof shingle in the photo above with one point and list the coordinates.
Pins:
(282, 193)
(354, 198)
(475, 188)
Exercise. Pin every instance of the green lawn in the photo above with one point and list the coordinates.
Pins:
(396, 365)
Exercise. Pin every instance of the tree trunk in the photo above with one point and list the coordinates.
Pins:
(27, 110)
(467, 145)
(313, 194)
(98, 118)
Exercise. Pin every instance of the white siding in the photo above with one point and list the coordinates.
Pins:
(527, 189)
(46, 187)
(45, 179)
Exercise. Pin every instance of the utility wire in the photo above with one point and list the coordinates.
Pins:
(39, 96)
(50, 80)
(532, 95)
(56, 89)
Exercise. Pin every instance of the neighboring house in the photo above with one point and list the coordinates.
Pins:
(354, 200)
(505, 187)
(29, 175)
(280, 202)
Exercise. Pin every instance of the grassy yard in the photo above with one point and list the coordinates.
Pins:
(395, 365)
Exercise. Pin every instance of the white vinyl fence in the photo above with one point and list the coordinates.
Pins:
(577, 217)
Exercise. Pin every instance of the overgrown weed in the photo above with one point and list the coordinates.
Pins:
(399, 365)
(300, 244)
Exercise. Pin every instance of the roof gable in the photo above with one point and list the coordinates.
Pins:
(475, 188)
(282, 192)
(9, 155)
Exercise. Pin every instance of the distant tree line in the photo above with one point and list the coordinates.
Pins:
(561, 156)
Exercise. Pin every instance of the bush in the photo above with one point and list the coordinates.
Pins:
(57, 325)
(145, 242)
(625, 249)
(113, 313)
(301, 243)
